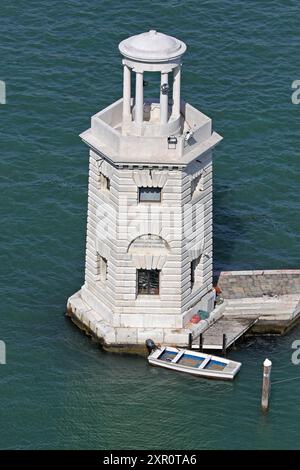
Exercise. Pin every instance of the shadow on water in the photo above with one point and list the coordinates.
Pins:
(228, 230)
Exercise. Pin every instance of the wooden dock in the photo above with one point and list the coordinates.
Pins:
(224, 333)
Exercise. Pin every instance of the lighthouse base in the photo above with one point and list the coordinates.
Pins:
(131, 340)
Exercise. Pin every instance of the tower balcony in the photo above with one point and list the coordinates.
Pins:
(177, 142)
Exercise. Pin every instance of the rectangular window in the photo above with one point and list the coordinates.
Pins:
(104, 182)
(194, 265)
(149, 194)
(101, 268)
(148, 281)
(197, 185)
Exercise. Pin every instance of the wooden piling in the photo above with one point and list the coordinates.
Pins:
(190, 340)
(224, 344)
(201, 342)
(266, 386)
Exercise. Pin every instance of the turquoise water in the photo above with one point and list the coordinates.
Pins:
(60, 62)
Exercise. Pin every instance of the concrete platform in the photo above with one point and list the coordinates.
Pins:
(276, 314)
(252, 315)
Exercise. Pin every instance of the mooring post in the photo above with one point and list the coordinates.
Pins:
(266, 385)
(201, 342)
(224, 344)
(190, 340)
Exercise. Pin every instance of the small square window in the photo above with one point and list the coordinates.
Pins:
(148, 281)
(149, 194)
(104, 182)
(194, 266)
(197, 185)
(101, 268)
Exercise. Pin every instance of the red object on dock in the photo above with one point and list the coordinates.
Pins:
(195, 318)
(218, 290)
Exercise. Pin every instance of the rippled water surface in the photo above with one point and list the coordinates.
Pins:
(60, 62)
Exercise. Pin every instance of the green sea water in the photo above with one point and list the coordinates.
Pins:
(60, 63)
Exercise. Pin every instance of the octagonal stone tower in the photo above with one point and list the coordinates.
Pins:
(149, 228)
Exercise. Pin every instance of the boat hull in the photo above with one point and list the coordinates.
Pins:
(194, 363)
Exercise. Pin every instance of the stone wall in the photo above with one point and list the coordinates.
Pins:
(118, 231)
(238, 284)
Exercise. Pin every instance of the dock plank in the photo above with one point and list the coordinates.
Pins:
(233, 327)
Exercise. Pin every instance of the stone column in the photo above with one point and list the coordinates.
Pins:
(127, 94)
(176, 92)
(164, 99)
(139, 98)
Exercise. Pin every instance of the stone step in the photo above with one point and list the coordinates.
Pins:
(278, 305)
(261, 307)
(262, 313)
(282, 308)
(262, 301)
(282, 298)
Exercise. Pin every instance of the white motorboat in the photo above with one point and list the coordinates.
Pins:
(192, 362)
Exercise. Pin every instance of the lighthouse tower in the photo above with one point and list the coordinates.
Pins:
(149, 227)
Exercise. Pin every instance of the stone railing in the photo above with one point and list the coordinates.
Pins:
(238, 284)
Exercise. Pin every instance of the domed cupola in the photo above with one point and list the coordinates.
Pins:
(152, 47)
(151, 52)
